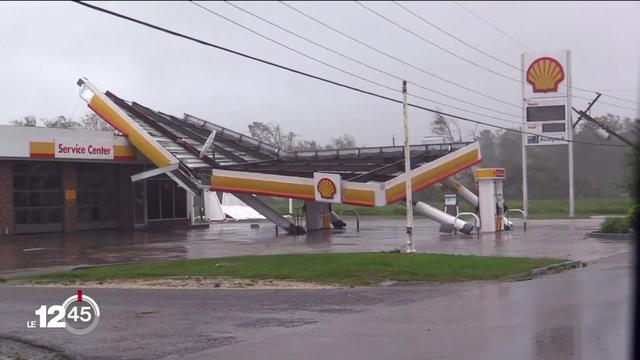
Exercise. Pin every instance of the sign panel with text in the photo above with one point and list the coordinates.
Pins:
(70, 148)
(546, 92)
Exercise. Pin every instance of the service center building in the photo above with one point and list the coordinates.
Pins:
(58, 180)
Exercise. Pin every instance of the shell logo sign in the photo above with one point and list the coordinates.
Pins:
(328, 188)
(545, 74)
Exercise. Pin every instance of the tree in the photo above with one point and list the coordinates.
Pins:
(448, 128)
(28, 121)
(307, 145)
(262, 131)
(61, 122)
(488, 147)
(345, 141)
(276, 136)
(272, 134)
(91, 121)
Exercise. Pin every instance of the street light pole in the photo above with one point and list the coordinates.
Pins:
(410, 248)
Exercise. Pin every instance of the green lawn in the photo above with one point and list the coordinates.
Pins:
(551, 209)
(538, 208)
(357, 269)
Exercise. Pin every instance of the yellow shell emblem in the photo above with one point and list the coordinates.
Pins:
(326, 188)
(545, 74)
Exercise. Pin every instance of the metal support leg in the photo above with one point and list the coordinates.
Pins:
(270, 214)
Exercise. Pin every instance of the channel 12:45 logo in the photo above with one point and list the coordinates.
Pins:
(79, 315)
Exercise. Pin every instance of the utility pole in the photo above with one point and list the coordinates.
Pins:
(407, 171)
(603, 126)
(587, 111)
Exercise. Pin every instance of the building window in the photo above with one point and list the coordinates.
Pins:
(165, 200)
(37, 196)
(97, 199)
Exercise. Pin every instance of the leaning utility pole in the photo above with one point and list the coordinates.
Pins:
(407, 171)
(586, 116)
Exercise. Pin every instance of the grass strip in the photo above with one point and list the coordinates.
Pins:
(357, 269)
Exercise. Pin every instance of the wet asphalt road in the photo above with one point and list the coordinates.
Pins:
(578, 314)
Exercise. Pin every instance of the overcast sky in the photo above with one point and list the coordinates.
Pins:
(46, 47)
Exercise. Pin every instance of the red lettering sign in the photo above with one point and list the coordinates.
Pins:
(92, 149)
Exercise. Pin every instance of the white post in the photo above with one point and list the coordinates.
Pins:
(191, 213)
(525, 190)
(407, 171)
(291, 206)
(572, 205)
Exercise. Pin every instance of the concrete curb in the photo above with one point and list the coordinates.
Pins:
(625, 236)
(546, 270)
(84, 266)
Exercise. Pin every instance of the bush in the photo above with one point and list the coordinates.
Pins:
(633, 215)
(615, 225)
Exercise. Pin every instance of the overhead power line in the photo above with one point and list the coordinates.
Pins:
(520, 43)
(394, 76)
(392, 57)
(603, 102)
(387, 19)
(380, 15)
(494, 27)
(309, 75)
(619, 90)
(455, 37)
(362, 78)
(607, 95)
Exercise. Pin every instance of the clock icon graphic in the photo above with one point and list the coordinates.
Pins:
(82, 314)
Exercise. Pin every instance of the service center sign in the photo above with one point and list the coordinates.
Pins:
(70, 148)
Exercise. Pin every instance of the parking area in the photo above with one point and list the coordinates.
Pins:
(544, 238)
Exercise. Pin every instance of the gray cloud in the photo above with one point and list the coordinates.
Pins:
(47, 46)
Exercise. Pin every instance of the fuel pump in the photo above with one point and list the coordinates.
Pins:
(491, 198)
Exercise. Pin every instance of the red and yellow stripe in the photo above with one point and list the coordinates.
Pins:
(123, 152)
(38, 149)
(136, 137)
(489, 173)
(262, 187)
(358, 197)
(352, 193)
(433, 175)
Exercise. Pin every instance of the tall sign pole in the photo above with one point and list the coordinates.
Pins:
(407, 171)
(572, 204)
(546, 95)
(525, 189)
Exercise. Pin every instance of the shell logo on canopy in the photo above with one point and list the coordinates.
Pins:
(545, 74)
(326, 188)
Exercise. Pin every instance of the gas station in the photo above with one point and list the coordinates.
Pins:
(182, 180)
(360, 177)
(198, 161)
(170, 168)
